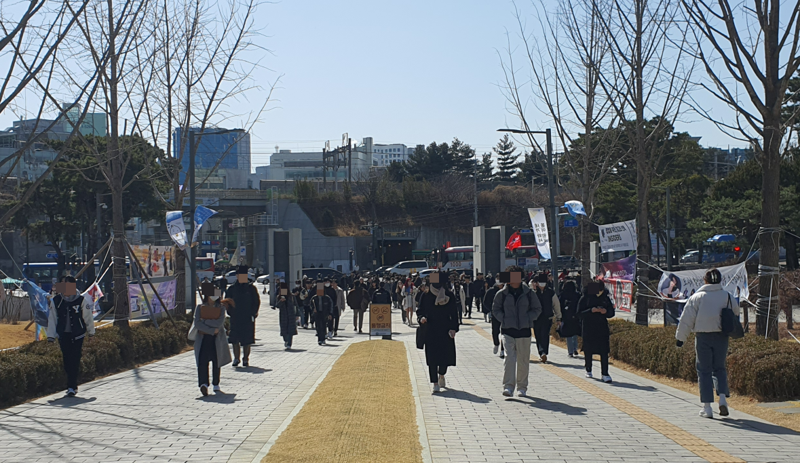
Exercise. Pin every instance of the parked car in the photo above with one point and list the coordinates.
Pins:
(563, 262)
(263, 279)
(322, 273)
(231, 277)
(691, 257)
(408, 267)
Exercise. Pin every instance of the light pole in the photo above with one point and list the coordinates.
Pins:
(551, 189)
(193, 199)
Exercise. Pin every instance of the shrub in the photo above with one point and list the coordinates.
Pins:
(36, 369)
(763, 369)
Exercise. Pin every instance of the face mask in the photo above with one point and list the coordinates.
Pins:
(542, 285)
(327, 285)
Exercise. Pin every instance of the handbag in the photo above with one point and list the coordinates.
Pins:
(729, 322)
(422, 330)
(192, 334)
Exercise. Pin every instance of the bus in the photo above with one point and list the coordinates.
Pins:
(720, 248)
(526, 257)
(459, 259)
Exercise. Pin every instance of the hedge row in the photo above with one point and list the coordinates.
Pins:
(764, 369)
(36, 369)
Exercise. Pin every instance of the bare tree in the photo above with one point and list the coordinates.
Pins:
(750, 53)
(573, 84)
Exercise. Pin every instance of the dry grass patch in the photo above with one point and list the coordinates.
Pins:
(363, 411)
(14, 335)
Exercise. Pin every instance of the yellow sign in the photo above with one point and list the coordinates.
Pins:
(380, 320)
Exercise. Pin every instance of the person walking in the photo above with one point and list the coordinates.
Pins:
(479, 293)
(594, 310)
(469, 295)
(70, 320)
(381, 295)
(458, 292)
(701, 316)
(208, 331)
(516, 307)
(288, 312)
(305, 301)
(551, 310)
(488, 300)
(570, 323)
(243, 313)
(339, 305)
(358, 300)
(438, 312)
(322, 310)
(409, 291)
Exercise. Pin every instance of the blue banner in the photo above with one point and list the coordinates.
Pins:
(39, 303)
(575, 208)
(176, 228)
(201, 214)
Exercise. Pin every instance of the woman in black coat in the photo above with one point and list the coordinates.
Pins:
(287, 316)
(570, 323)
(594, 309)
(438, 316)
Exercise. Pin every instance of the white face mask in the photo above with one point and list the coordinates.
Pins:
(327, 285)
(542, 285)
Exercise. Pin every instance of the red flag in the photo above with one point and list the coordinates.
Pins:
(514, 242)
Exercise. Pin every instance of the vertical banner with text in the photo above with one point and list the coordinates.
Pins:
(539, 224)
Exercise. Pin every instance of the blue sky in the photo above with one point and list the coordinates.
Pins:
(402, 72)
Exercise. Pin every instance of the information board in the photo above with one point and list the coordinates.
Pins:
(380, 320)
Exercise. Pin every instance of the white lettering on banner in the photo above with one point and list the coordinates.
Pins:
(620, 236)
(539, 223)
(679, 286)
(621, 293)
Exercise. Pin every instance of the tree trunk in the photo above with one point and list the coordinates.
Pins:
(791, 251)
(768, 268)
(122, 310)
(179, 258)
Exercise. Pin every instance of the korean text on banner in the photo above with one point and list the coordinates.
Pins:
(620, 236)
(539, 223)
(165, 289)
(176, 228)
(679, 286)
(621, 293)
(201, 214)
(380, 320)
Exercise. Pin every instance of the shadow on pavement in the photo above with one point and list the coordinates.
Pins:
(463, 395)
(293, 350)
(750, 425)
(70, 401)
(219, 398)
(253, 370)
(563, 365)
(633, 386)
(543, 404)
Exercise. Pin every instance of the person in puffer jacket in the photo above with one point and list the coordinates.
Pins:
(701, 316)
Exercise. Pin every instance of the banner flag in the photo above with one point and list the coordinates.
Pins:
(94, 293)
(539, 223)
(623, 269)
(620, 236)
(156, 260)
(201, 214)
(678, 286)
(165, 289)
(40, 303)
(575, 208)
(514, 241)
(177, 229)
(621, 293)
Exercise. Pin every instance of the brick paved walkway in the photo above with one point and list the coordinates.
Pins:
(154, 413)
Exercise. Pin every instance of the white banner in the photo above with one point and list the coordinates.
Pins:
(539, 224)
(679, 286)
(620, 236)
(177, 229)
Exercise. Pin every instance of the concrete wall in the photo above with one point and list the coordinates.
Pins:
(317, 248)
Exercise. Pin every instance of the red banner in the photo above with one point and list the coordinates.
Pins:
(514, 241)
(621, 293)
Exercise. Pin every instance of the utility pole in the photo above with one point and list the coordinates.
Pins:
(324, 167)
(669, 238)
(475, 183)
(349, 161)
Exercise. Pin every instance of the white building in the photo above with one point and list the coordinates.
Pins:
(383, 155)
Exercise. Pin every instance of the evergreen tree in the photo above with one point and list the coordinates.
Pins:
(428, 162)
(461, 158)
(507, 166)
(533, 167)
(486, 168)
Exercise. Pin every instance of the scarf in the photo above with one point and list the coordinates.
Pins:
(441, 296)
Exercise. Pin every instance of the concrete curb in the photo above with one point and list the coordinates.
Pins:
(423, 432)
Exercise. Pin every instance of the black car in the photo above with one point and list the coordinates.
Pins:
(322, 273)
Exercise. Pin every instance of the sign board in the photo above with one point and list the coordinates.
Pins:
(525, 231)
(52, 255)
(621, 293)
(679, 286)
(620, 236)
(380, 320)
(571, 223)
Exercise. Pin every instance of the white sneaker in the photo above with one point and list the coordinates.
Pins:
(496, 348)
(71, 392)
(442, 381)
(217, 389)
(707, 412)
(522, 393)
(508, 392)
(436, 387)
(606, 379)
(589, 374)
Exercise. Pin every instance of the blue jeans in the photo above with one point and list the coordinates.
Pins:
(711, 350)
(572, 344)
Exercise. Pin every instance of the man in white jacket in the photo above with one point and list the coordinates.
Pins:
(702, 317)
(70, 320)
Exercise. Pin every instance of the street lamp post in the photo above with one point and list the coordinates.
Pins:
(193, 201)
(551, 190)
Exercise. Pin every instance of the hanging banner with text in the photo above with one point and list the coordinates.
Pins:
(156, 260)
(623, 269)
(177, 229)
(539, 223)
(621, 293)
(380, 320)
(620, 236)
(679, 286)
(165, 289)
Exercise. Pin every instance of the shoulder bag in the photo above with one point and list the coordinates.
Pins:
(730, 322)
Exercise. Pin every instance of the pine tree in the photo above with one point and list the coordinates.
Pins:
(461, 158)
(507, 166)
(486, 168)
(532, 168)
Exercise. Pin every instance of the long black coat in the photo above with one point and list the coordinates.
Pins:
(595, 325)
(288, 311)
(243, 316)
(569, 314)
(440, 348)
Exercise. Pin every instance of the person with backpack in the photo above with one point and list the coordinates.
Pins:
(551, 309)
(702, 316)
(70, 320)
(516, 307)
(489, 298)
(570, 323)
(594, 309)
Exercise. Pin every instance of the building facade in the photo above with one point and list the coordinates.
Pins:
(222, 157)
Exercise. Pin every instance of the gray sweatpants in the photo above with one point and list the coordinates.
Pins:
(517, 362)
